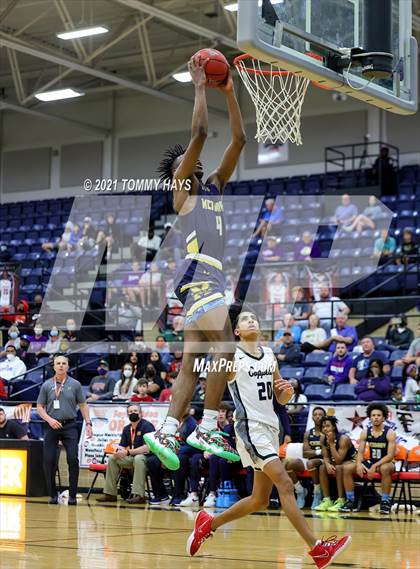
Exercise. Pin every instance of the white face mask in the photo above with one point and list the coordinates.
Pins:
(10, 357)
(127, 372)
(71, 327)
(38, 331)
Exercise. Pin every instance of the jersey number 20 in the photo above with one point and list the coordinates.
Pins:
(265, 390)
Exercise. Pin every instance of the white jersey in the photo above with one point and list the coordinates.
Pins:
(252, 387)
(5, 292)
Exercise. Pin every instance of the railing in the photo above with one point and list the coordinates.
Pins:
(345, 156)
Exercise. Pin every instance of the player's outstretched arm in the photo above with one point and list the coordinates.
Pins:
(231, 156)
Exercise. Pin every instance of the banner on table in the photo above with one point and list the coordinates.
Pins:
(108, 422)
(353, 419)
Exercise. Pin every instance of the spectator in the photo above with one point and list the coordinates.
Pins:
(375, 386)
(346, 213)
(19, 315)
(397, 395)
(271, 216)
(161, 347)
(37, 340)
(88, 235)
(138, 346)
(140, 394)
(176, 362)
(155, 359)
(111, 235)
(368, 217)
(14, 339)
(289, 326)
(52, 346)
(146, 246)
(314, 337)
(102, 386)
(166, 394)
(337, 452)
(289, 353)
(25, 353)
(413, 353)
(151, 286)
(130, 453)
(343, 332)
(298, 397)
(398, 334)
(411, 389)
(12, 367)
(131, 287)
(300, 310)
(124, 387)
(328, 307)
(360, 364)
(171, 242)
(277, 295)
(337, 370)
(5, 254)
(200, 390)
(409, 249)
(383, 173)
(384, 246)
(177, 332)
(11, 429)
(271, 251)
(134, 360)
(307, 248)
(70, 334)
(67, 241)
(154, 381)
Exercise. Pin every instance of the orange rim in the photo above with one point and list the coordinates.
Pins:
(243, 56)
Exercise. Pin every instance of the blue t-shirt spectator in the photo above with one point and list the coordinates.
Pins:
(346, 331)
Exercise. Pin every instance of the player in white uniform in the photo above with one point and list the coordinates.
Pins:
(252, 383)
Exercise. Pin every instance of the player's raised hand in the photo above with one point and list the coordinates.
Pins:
(227, 86)
(284, 390)
(197, 72)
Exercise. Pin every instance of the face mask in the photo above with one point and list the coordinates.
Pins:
(127, 373)
(13, 335)
(400, 329)
(71, 327)
(134, 417)
(150, 373)
(102, 371)
(54, 333)
(10, 357)
(38, 331)
(139, 344)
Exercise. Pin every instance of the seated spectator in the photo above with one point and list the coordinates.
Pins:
(360, 364)
(124, 387)
(101, 387)
(367, 219)
(111, 235)
(26, 354)
(171, 242)
(343, 332)
(289, 353)
(37, 340)
(138, 346)
(5, 254)
(375, 386)
(397, 395)
(52, 346)
(413, 352)
(277, 295)
(162, 348)
(346, 213)
(314, 337)
(409, 249)
(271, 252)
(382, 446)
(68, 240)
(131, 286)
(12, 367)
(297, 398)
(177, 332)
(14, 339)
(337, 370)
(11, 429)
(384, 246)
(166, 394)
(200, 390)
(151, 286)
(307, 248)
(130, 453)
(271, 216)
(337, 452)
(155, 383)
(88, 235)
(71, 334)
(288, 326)
(398, 334)
(155, 359)
(300, 309)
(175, 365)
(140, 394)
(411, 387)
(328, 307)
(19, 315)
(146, 246)
(133, 359)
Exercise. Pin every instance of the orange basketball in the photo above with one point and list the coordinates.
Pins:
(216, 68)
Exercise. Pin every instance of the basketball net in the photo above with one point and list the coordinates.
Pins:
(278, 97)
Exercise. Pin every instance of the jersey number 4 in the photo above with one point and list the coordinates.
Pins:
(265, 390)
(219, 225)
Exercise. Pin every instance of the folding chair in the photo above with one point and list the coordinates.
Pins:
(407, 476)
(100, 468)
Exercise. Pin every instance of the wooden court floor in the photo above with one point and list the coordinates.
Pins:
(34, 535)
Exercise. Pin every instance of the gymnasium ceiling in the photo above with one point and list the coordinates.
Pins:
(147, 42)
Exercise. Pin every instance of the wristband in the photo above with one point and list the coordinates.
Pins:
(89, 424)
(318, 451)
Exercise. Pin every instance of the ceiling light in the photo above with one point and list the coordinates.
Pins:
(58, 94)
(82, 33)
(234, 6)
(183, 77)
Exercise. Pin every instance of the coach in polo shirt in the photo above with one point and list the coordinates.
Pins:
(57, 405)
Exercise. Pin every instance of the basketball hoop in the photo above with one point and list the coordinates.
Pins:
(278, 97)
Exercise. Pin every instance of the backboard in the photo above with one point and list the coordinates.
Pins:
(336, 31)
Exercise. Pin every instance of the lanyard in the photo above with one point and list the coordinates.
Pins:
(133, 433)
(59, 390)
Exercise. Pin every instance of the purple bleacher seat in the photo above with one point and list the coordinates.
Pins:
(314, 374)
(317, 359)
(344, 392)
(318, 392)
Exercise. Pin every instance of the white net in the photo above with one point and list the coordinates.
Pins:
(278, 97)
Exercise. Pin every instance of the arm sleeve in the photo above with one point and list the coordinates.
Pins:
(80, 398)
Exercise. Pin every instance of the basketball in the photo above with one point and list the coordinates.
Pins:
(217, 68)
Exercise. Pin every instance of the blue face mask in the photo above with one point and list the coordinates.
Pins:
(54, 333)
(102, 371)
(13, 335)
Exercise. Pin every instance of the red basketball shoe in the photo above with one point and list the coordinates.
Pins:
(202, 531)
(324, 552)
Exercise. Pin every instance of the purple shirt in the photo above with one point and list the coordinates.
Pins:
(339, 368)
(302, 251)
(347, 332)
(370, 389)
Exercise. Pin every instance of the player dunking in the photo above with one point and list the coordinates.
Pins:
(252, 384)
(201, 282)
